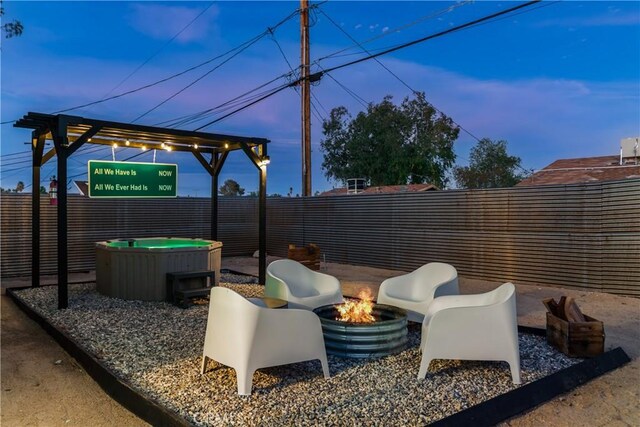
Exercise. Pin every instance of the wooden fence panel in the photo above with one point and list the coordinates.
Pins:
(583, 236)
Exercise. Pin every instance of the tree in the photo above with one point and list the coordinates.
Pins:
(11, 29)
(19, 187)
(43, 190)
(388, 144)
(489, 167)
(231, 188)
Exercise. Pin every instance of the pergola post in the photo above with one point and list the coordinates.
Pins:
(37, 146)
(262, 224)
(214, 197)
(260, 160)
(59, 133)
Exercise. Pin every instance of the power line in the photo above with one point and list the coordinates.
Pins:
(354, 95)
(21, 153)
(433, 36)
(273, 92)
(160, 50)
(398, 29)
(202, 115)
(392, 73)
(318, 75)
(315, 111)
(147, 86)
(240, 48)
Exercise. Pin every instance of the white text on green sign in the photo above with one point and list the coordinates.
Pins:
(132, 179)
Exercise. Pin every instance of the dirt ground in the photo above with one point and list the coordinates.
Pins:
(43, 386)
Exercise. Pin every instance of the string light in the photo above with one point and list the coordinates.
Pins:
(226, 145)
(195, 146)
(168, 148)
(127, 143)
(115, 145)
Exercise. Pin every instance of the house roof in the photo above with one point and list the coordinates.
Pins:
(83, 187)
(384, 189)
(581, 170)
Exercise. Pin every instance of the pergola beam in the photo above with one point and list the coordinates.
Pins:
(47, 156)
(82, 139)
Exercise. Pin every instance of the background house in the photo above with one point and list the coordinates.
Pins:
(591, 169)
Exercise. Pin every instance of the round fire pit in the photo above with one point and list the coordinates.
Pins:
(387, 335)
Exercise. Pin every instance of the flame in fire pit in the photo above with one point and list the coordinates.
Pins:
(357, 311)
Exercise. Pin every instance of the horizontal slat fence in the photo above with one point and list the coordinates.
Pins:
(583, 236)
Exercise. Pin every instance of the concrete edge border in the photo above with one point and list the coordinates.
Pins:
(516, 402)
(487, 413)
(122, 392)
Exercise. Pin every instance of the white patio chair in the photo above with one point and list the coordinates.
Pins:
(415, 291)
(247, 337)
(472, 327)
(301, 287)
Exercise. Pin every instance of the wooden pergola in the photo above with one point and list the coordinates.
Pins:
(69, 133)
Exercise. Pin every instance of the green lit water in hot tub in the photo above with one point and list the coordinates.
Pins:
(158, 243)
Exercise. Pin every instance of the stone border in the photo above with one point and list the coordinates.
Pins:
(487, 413)
(122, 392)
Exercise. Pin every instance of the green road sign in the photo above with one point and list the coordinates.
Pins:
(132, 179)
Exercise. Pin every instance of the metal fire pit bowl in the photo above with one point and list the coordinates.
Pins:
(387, 335)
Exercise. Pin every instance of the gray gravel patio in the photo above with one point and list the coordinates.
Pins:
(156, 347)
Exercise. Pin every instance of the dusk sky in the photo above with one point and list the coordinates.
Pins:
(556, 80)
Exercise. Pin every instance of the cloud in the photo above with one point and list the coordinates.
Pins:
(385, 29)
(358, 26)
(163, 22)
(611, 20)
(542, 119)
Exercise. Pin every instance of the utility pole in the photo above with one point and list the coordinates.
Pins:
(306, 97)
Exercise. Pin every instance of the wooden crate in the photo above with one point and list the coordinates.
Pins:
(309, 255)
(576, 339)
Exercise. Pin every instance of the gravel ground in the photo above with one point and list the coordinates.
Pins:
(157, 347)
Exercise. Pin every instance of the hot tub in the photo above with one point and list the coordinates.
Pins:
(136, 269)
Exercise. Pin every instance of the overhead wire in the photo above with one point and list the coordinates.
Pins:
(239, 50)
(147, 86)
(237, 110)
(315, 111)
(386, 51)
(404, 83)
(400, 28)
(456, 28)
(202, 115)
(157, 52)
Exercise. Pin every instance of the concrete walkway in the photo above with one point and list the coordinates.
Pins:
(37, 390)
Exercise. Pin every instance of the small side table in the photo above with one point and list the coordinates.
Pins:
(269, 302)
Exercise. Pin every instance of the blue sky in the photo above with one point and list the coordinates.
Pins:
(560, 80)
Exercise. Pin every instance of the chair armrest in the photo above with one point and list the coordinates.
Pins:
(326, 283)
